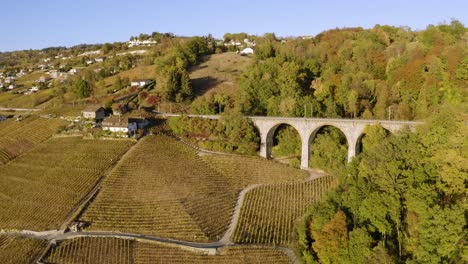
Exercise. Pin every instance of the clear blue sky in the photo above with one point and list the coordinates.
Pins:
(33, 24)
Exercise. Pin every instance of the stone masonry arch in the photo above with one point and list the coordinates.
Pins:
(267, 137)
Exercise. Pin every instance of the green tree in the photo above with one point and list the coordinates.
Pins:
(82, 89)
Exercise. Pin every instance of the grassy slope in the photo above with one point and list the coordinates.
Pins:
(140, 72)
(219, 73)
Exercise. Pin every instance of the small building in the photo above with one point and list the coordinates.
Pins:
(34, 88)
(100, 59)
(246, 51)
(73, 71)
(10, 79)
(140, 83)
(94, 112)
(2, 118)
(120, 124)
(12, 86)
(44, 79)
(76, 226)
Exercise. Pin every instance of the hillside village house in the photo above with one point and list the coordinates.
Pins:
(140, 83)
(10, 79)
(100, 59)
(94, 112)
(120, 124)
(44, 79)
(123, 124)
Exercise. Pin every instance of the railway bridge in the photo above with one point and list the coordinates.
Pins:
(307, 128)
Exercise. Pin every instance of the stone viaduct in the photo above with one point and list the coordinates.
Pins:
(307, 128)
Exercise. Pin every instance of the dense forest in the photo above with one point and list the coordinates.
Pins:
(403, 199)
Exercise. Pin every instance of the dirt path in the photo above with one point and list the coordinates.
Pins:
(226, 239)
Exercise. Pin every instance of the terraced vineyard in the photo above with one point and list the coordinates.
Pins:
(93, 250)
(15, 250)
(113, 250)
(18, 137)
(153, 253)
(39, 189)
(164, 189)
(245, 170)
(269, 212)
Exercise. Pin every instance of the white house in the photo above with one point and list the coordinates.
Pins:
(100, 59)
(12, 86)
(246, 51)
(120, 124)
(73, 71)
(140, 83)
(94, 112)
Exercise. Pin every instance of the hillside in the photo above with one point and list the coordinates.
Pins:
(218, 74)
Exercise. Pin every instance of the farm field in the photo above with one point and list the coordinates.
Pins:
(269, 212)
(17, 138)
(165, 189)
(39, 189)
(14, 250)
(114, 250)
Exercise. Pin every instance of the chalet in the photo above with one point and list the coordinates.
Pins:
(139, 83)
(94, 112)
